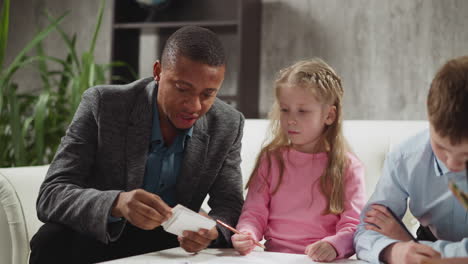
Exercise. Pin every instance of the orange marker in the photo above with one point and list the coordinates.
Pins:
(237, 232)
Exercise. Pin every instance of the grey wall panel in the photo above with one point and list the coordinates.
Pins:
(386, 51)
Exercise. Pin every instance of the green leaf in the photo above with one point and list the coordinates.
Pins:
(26, 126)
(21, 63)
(42, 66)
(98, 26)
(15, 123)
(4, 21)
(100, 73)
(39, 118)
(70, 42)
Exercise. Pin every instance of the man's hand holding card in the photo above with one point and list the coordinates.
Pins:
(195, 231)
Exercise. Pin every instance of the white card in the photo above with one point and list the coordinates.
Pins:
(185, 219)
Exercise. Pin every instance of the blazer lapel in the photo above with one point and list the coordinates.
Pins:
(138, 136)
(193, 163)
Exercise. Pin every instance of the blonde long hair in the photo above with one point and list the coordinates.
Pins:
(323, 82)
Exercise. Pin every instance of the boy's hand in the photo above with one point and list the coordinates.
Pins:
(408, 252)
(381, 217)
(243, 243)
(321, 251)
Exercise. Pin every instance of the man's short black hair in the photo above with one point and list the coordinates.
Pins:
(195, 43)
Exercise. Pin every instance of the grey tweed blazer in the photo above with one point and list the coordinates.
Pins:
(104, 152)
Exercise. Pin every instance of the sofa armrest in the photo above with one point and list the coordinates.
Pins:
(19, 188)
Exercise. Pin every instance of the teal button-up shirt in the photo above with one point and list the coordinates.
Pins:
(164, 162)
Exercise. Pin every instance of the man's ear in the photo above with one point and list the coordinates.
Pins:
(157, 70)
(331, 117)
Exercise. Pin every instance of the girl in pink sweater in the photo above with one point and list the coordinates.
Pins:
(307, 190)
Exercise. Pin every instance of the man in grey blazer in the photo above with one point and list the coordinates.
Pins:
(134, 151)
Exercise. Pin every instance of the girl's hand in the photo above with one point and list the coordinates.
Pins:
(243, 243)
(381, 217)
(321, 251)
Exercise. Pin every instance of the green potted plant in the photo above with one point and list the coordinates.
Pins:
(31, 125)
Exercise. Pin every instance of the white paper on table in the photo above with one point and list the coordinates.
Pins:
(186, 219)
(264, 257)
(261, 258)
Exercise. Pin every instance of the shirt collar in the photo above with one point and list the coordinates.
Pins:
(439, 167)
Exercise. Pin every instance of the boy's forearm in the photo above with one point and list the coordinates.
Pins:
(450, 249)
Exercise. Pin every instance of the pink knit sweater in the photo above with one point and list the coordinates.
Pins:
(292, 218)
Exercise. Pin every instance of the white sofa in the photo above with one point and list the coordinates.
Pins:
(370, 140)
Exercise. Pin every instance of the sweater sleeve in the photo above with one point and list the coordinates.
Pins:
(254, 216)
(354, 201)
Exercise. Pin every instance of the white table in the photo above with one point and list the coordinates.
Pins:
(225, 256)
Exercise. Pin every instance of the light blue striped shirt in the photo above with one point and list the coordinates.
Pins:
(412, 172)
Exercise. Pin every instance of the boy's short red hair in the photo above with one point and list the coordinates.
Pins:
(447, 102)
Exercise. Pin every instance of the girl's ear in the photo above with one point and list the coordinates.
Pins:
(331, 117)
